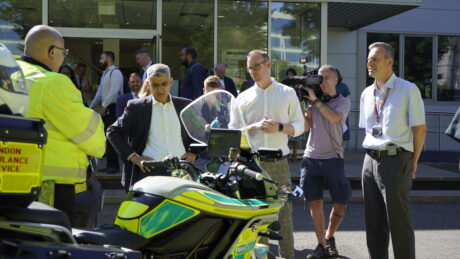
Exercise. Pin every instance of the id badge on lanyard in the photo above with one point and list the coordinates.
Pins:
(377, 130)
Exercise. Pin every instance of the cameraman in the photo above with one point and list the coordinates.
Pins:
(323, 159)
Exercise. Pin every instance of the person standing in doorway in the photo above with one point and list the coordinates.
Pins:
(104, 102)
(192, 83)
(144, 60)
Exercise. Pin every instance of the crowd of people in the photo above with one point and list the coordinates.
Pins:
(143, 123)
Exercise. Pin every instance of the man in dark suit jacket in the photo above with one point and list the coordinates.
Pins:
(144, 60)
(226, 82)
(150, 128)
(192, 83)
(122, 100)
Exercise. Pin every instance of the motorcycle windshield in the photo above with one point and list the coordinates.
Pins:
(210, 111)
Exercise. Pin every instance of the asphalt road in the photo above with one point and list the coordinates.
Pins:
(437, 230)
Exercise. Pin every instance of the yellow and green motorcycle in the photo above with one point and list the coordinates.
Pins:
(220, 211)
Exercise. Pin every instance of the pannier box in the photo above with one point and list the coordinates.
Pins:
(22, 142)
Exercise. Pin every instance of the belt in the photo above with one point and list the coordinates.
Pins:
(266, 159)
(377, 154)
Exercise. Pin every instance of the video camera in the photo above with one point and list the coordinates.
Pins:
(297, 82)
(309, 79)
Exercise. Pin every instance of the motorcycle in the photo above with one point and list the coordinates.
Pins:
(32, 229)
(220, 212)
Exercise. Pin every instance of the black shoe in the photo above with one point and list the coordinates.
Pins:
(331, 248)
(319, 252)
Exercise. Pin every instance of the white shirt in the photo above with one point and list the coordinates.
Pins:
(222, 83)
(110, 87)
(278, 102)
(403, 109)
(165, 137)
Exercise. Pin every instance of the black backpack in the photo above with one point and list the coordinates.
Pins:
(125, 82)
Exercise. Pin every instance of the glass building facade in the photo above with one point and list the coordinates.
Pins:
(222, 31)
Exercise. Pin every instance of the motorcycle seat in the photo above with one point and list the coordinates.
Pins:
(37, 212)
(110, 235)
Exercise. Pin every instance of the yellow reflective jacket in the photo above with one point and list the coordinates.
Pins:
(74, 131)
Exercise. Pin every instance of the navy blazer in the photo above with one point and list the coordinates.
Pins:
(230, 86)
(193, 81)
(130, 132)
(122, 101)
(142, 71)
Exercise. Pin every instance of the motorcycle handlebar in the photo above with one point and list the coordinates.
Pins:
(148, 163)
(251, 173)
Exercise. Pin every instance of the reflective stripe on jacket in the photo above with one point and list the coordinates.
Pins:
(74, 131)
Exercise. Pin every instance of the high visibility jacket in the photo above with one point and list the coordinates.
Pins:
(74, 131)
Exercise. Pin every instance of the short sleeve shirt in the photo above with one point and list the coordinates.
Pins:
(402, 110)
(325, 139)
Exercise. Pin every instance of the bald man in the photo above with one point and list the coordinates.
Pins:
(226, 82)
(74, 131)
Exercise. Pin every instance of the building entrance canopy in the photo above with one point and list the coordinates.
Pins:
(355, 14)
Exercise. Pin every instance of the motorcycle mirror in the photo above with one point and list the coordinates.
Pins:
(290, 192)
(198, 148)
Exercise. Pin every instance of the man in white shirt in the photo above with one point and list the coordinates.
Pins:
(144, 61)
(271, 112)
(104, 102)
(393, 115)
(150, 128)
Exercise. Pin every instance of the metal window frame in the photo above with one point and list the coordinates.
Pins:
(433, 102)
(149, 34)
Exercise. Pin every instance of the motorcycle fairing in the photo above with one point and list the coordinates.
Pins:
(165, 216)
(215, 203)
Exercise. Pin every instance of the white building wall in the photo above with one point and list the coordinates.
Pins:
(348, 51)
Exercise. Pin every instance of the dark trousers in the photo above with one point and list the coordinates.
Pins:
(111, 154)
(64, 199)
(386, 183)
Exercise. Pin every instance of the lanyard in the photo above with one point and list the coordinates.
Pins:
(378, 111)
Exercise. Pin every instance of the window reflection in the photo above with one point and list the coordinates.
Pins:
(16, 19)
(448, 75)
(296, 29)
(418, 62)
(241, 27)
(187, 23)
(119, 14)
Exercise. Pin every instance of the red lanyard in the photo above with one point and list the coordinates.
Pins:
(378, 112)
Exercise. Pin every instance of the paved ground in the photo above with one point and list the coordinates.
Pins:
(437, 230)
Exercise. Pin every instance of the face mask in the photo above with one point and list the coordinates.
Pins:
(102, 66)
(184, 63)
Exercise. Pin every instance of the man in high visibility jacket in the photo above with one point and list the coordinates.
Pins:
(74, 131)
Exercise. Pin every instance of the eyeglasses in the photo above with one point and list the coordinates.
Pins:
(255, 67)
(66, 51)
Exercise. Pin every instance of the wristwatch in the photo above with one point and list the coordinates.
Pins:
(280, 126)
